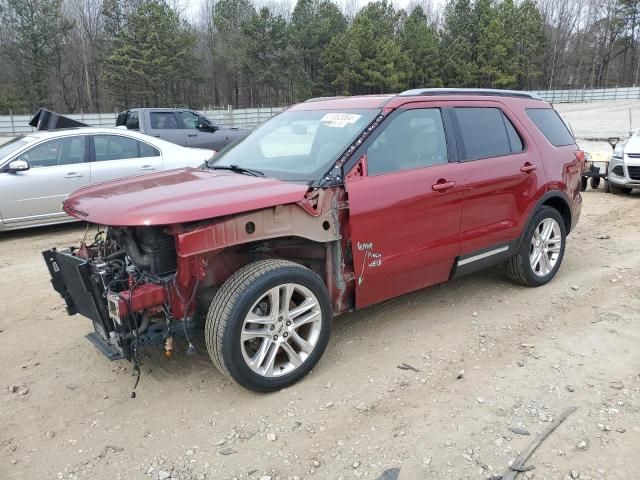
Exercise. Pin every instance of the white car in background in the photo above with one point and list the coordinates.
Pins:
(624, 168)
(38, 170)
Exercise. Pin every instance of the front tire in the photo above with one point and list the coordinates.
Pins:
(616, 190)
(541, 250)
(269, 324)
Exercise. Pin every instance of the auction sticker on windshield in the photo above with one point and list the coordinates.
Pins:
(339, 120)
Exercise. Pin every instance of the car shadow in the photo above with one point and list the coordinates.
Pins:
(40, 233)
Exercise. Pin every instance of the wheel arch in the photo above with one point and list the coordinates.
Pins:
(559, 201)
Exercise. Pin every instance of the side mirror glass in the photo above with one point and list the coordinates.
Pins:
(18, 166)
(206, 125)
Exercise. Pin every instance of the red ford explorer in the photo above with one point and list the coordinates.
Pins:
(333, 205)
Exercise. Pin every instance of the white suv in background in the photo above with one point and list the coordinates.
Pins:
(624, 168)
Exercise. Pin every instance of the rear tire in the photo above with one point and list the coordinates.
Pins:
(594, 182)
(269, 324)
(541, 250)
(607, 186)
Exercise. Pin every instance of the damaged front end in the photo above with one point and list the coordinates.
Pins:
(125, 283)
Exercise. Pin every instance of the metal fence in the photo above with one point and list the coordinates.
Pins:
(250, 117)
(589, 95)
(245, 118)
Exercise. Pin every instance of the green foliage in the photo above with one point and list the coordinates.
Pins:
(34, 50)
(420, 41)
(458, 44)
(232, 54)
(368, 58)
(152, 58)
(314, 23)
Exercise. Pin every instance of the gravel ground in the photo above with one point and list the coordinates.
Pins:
(495, 362)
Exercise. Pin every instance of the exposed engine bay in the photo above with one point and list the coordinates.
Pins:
(125, 282)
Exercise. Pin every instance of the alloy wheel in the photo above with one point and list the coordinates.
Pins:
(546, 244)
(281, 330)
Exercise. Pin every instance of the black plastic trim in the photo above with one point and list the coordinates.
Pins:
(486, 262)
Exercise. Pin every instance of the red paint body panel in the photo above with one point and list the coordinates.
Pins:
(404, 235)
(141, 297)
(499, 196)
(178, 196)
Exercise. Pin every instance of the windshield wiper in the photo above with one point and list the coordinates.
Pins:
(237, 169)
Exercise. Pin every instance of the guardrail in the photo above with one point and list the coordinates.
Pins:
(244, 118)
(589, 95)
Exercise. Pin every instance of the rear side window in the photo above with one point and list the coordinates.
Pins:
(115, 147)
(486, 133)
(551, 125)
(163, 121)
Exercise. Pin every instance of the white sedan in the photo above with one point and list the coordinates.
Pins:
(38, 170)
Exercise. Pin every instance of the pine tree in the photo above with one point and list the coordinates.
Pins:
(421, 44)
(151, 57)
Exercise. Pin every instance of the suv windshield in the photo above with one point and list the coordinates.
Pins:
(297, 145)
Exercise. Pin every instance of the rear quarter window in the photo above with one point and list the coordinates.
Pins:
(551, 126)
(486, 133)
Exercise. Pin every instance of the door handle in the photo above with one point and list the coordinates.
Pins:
(528, 167)
(157, 136)
(443, 185)
(192, 134)
(73, 175)
(147, 167)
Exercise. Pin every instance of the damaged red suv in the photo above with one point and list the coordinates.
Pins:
(333, 205)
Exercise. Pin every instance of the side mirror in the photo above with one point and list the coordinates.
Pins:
(204, 124)
(18, 166)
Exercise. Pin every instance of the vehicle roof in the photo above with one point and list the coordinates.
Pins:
(63, 132)
(168, 109)
(417, 94)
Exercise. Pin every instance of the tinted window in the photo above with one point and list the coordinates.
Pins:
(551, 125)
(515, 142)
(147, 150)
(486, 133)
(413, 139)
(132, 121)
(163, 120)
(115, 147)
(189, 120)
(61, 151)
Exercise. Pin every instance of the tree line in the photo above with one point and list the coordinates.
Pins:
(105, 55)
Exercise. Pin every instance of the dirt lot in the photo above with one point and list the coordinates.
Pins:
(526, 354)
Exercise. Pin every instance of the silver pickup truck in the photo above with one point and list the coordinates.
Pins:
(181, 126)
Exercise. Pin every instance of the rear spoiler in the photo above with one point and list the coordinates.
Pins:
(48, 120)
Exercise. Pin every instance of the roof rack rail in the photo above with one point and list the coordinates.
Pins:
(470, 91)
(319, 99)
